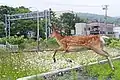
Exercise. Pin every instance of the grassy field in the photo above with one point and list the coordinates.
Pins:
(94, 72)
(16, 65)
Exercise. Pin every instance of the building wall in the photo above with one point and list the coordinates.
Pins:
(102, 27)
(80, 28)
(84, 29)
(116, 31)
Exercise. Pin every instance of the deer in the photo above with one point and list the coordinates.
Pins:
(93, 42)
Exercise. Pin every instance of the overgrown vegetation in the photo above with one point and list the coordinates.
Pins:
(113, 42)
(104, 72)
(94, 72)
(15, 65)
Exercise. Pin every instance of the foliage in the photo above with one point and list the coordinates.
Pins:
(13, 40)
(103, 71)
(19, 27)
(68, 20)
(94, 72)
(2, 31)
(51, 41)
(20, 41)
(113, 42)
(14, 66)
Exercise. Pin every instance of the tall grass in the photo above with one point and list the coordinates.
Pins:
(21, 64)
(103, 71)
(14, 65)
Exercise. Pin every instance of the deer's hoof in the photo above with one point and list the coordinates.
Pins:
(113, 68)
(54, 60)
(69, 60)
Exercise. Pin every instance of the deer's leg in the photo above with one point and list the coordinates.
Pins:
(109, 60)
(105, 54)
(54, 56)
(60, 48)
(102, 46)
(65, 51)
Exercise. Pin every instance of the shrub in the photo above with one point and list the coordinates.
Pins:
(52, 41)
(13, 40)
(113, 42)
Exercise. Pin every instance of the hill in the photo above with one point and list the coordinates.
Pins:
(100, 18)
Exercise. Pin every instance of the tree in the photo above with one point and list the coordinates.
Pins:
(19, 26)
(5, 10)
(21, 9)
(2, 29)
(69, 20)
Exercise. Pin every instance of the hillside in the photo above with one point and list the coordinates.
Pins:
(101, 18)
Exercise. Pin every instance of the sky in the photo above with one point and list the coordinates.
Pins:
(85, 6)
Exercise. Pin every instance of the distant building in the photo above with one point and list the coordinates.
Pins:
(116, 31)
(80, 28)
(94, 28)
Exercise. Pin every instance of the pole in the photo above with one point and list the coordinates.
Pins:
(37, 31)
(6, 27)
(105, 8)
(46, 24)
(49, 21)
(9, 27)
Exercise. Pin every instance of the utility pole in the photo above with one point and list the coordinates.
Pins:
(46, 25)
(105, 8)
(37, 31)
(38, 20)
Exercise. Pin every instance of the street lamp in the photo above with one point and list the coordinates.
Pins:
(37, 28)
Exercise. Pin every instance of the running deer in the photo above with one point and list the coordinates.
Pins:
(94, 42)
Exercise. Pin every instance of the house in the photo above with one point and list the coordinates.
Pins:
(116, 31)
(94, 28)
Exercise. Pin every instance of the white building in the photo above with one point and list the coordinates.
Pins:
(116, 31)
(80, 28)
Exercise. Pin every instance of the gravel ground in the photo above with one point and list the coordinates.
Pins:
(43, 62)
(44, 59)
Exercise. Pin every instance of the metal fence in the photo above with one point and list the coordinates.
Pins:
(9, 47)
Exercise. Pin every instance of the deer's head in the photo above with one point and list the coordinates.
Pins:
(54, 31)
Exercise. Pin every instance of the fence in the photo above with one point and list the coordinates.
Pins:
(10, 47)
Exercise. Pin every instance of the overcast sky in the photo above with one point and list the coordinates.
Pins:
(87, 6)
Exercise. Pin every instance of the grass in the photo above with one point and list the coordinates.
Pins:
(95, 72)
(104, 72)
(16, 65)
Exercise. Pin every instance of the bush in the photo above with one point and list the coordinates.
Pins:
(113, 42)
(13, 40)
(51, 41)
